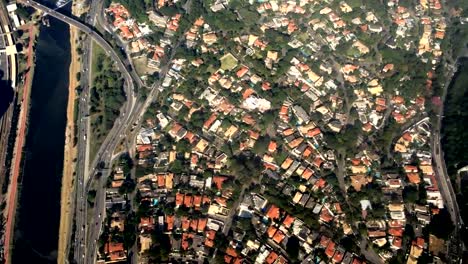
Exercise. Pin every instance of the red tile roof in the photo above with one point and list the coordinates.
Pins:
(231, 252)
(179, 199)
(272, 257)
(271, 231)
(211, 234)
(218, 181)
(279, 236)
(188, 200)
(287, 222)
(330, 250)
(273, 212)
(202, 224)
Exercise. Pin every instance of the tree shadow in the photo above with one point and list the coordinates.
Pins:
(6, 94)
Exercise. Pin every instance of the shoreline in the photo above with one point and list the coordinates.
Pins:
(12, 193)
(70, 149)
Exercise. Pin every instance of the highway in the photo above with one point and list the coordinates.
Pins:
(443, 179)
(85, 250)
(131, 113)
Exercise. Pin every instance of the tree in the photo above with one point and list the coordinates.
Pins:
(261, 145)
(292, 247)
(410, 194)
(176, 167)
(441, 224)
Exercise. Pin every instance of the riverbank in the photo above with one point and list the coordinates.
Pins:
(11, 197)
(70, 150)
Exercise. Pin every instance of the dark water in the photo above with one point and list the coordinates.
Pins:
(36, 232)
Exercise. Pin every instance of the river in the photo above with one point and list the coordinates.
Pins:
(38, 215)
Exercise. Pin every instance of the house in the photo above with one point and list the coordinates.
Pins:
(273, 212)
(115, 251)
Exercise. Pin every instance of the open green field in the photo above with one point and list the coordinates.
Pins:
(228, 62)
(107, 96)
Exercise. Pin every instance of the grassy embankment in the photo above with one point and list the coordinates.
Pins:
(107, 96)
(455, 135)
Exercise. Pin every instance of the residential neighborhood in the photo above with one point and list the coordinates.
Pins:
(284, 132)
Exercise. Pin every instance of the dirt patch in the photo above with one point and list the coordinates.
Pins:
(436, 245)
(70, 151)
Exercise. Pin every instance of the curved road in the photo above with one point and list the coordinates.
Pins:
(104, 154)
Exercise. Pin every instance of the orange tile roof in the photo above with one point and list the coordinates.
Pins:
(218, 181)
(325, 215)
(288, 132)
(221, 201)
(179, 199)
(287, 222)
(199, 22)
(191, 137)
(161, 181)
(284, 110)
(202, 224)
(279, 236)
(188, 200)
(210, 121)
(185, 223)
(410, 168)
(398, 100)
(211, 234)
(307, 174)
(266, 86)
(231, 252)
(242, 71)
(194, 224)
(396, 231)
(397, 242)
(330, 250)
(338, 208)
(247, 93)
(287, 163)
(197, 200)
(338, 257)
(248, 119)
(407, 136)
(206, 199)
(318, 162)
(271, 231)
(324, 240)
(269, 166)
(307, 152)
(419, 242)
(272, 257)
(314, 132)
(141, 148)
(114, 247)
(273, 212)
(272, 146)
(395, 223)
(254, 134)
(185, 240)
(296, 142)
(125, 31)
(209, 243)
(413, 178)
(321, 183)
